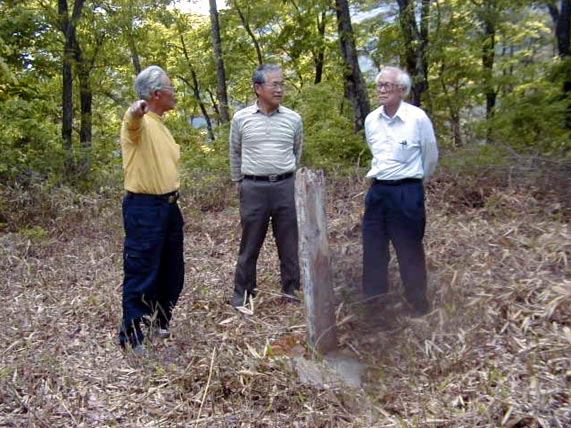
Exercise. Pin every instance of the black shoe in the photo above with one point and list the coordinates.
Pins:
(290, 295)
(420, 308)
(140, 351)
(161, 333)
(240, 299)
(243, 303)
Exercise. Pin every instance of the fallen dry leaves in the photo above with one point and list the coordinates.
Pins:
(494, 352)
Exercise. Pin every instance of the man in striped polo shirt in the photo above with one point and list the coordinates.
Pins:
(265, 150)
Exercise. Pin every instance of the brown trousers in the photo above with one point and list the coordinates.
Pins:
(260, 202)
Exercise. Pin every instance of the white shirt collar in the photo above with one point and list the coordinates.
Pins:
(400, 113)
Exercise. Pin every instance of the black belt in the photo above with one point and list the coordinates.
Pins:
(171, 197)
(397, 182)
(272, 178)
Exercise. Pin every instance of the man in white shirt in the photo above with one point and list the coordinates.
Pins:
(402, 142)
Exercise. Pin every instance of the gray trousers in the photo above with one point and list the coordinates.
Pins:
(261, 201)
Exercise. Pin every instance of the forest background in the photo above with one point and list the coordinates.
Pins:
(494, 76)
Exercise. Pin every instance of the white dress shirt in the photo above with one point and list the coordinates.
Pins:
(403, 146)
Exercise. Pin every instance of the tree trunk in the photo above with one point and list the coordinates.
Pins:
(84, 68)
(488, 58)
(562, 20)
(67, 26)
(319, 57)
(454, 111)
(67, 105)
(196, 90)
(85, 130)
(134, 53)
(220, 71)
(416, 45)
(67, 81)
(456, 128)
(355, 87)
(422, 64)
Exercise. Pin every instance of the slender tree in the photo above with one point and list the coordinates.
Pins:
(306, 31)
(85, 65)
(135, 59)
(319, 53)
(248, 29)
(488, 15)
(561, 16)
(355, 87)
(195, 86)
(68, 24)
(415, 37)
(220, 71)
(86, 102)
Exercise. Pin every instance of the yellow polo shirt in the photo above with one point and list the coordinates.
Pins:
(150, 155)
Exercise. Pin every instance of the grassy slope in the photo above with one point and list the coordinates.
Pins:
(495, 352)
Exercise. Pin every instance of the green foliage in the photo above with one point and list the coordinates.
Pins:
(35, 233)
(205, 176)
(531, 113)
(531, 122)
(560, 71)
(330, 141)
(475, 159)
(204, 157)
(28, 142)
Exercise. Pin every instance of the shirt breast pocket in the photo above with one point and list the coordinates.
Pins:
(404, 151)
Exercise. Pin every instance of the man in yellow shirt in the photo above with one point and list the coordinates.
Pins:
(153, 249)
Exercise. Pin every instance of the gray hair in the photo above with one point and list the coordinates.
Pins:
(149, 80)
(403, 78)
(262, 71)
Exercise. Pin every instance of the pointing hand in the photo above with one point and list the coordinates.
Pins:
(139, 108)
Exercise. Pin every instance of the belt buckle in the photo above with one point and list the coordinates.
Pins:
(172, 198)
(273, 177)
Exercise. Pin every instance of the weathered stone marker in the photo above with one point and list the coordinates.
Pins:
(314, 260)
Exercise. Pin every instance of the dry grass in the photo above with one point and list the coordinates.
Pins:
(494, 352)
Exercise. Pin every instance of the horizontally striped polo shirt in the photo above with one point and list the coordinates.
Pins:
(262, 144)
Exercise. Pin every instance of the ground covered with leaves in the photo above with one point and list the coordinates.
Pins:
(495, 351)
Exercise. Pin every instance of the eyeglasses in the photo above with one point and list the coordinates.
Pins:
(276, 85)
(168, 87)
(387, 86)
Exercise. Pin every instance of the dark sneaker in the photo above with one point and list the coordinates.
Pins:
(162, 333)
(291, 295)
(240, 300)
(291, 298)
(420, 308)
(140, 351)
(243, 303)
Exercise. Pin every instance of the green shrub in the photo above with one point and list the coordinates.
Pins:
(330, 140)
(532, 122)
(205, 176)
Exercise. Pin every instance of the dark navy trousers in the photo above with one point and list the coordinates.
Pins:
(395, 213)
(153, 262)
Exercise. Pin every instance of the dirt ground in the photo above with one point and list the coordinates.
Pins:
(494, 352)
